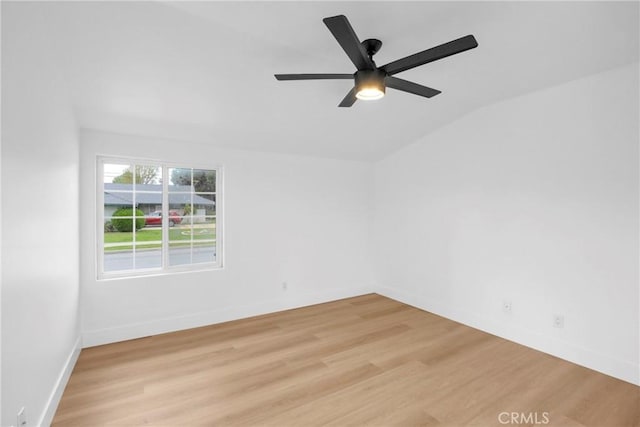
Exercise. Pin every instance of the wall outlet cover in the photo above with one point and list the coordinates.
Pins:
(558, 321)
(506, 306)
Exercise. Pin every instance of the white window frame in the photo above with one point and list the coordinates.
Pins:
(165, 268)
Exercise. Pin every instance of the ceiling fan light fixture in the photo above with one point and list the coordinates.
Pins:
(370, 93)
(369, 85)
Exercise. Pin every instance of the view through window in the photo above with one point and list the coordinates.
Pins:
(157, 216)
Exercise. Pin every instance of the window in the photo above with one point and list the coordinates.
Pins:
(157, 217)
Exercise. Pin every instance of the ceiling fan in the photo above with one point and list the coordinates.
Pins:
(371, 80)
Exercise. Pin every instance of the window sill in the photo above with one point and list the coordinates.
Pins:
(107, 277)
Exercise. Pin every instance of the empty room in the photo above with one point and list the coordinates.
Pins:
(298, 213)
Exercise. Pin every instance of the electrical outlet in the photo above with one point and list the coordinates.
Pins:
(22, 418)
(285, 286)
(506, 306)
(558, 321)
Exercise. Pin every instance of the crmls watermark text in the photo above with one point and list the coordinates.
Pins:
(523, 418)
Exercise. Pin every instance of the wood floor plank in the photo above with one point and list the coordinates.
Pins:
(358, 401)
(365, 360)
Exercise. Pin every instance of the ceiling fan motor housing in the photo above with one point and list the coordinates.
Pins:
(370, 79)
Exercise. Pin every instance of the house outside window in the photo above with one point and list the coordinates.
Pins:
(157, 217)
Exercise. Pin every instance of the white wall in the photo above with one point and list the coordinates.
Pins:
(535, 201)
(287, 218)
(40, 283)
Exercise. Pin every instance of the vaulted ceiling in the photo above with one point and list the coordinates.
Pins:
(203, 71)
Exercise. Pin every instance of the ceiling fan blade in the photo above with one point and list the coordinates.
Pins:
(411, 87)
(313, 76)
(350, 99)
(347, 38)
(430, 55)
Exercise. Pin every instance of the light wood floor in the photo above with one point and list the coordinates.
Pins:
(362, 361)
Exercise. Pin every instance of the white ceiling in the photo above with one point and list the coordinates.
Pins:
(203, 71)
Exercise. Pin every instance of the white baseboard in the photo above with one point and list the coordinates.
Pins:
(172, 324)
(605, 364)
(61, 383)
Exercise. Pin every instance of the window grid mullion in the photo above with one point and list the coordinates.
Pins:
(133, 168)
(101, 221)
(193, 208)
(165, 214)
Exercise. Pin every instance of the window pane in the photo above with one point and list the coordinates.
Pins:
(118, 249)
(148, 175)
(148, 188)
(119, 231)
(114, 200)
(205, 204)
(187, 179)
(204, 252)
(204, 231)
(117, 176)
(118, 259)
(179, 200)
(153, 219)
(187, 232)
(117, 195)
(118, 239)
(204, 180)
(180, 242)
(148, 248)
(180, 180)
(180, 234)
(149, 238)
(122, 221)
(209, 219)
(181, 213)
(148, 258)
(180, 252)
(149, 202)
(113, 205)
(185, 214)
(176, 220)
